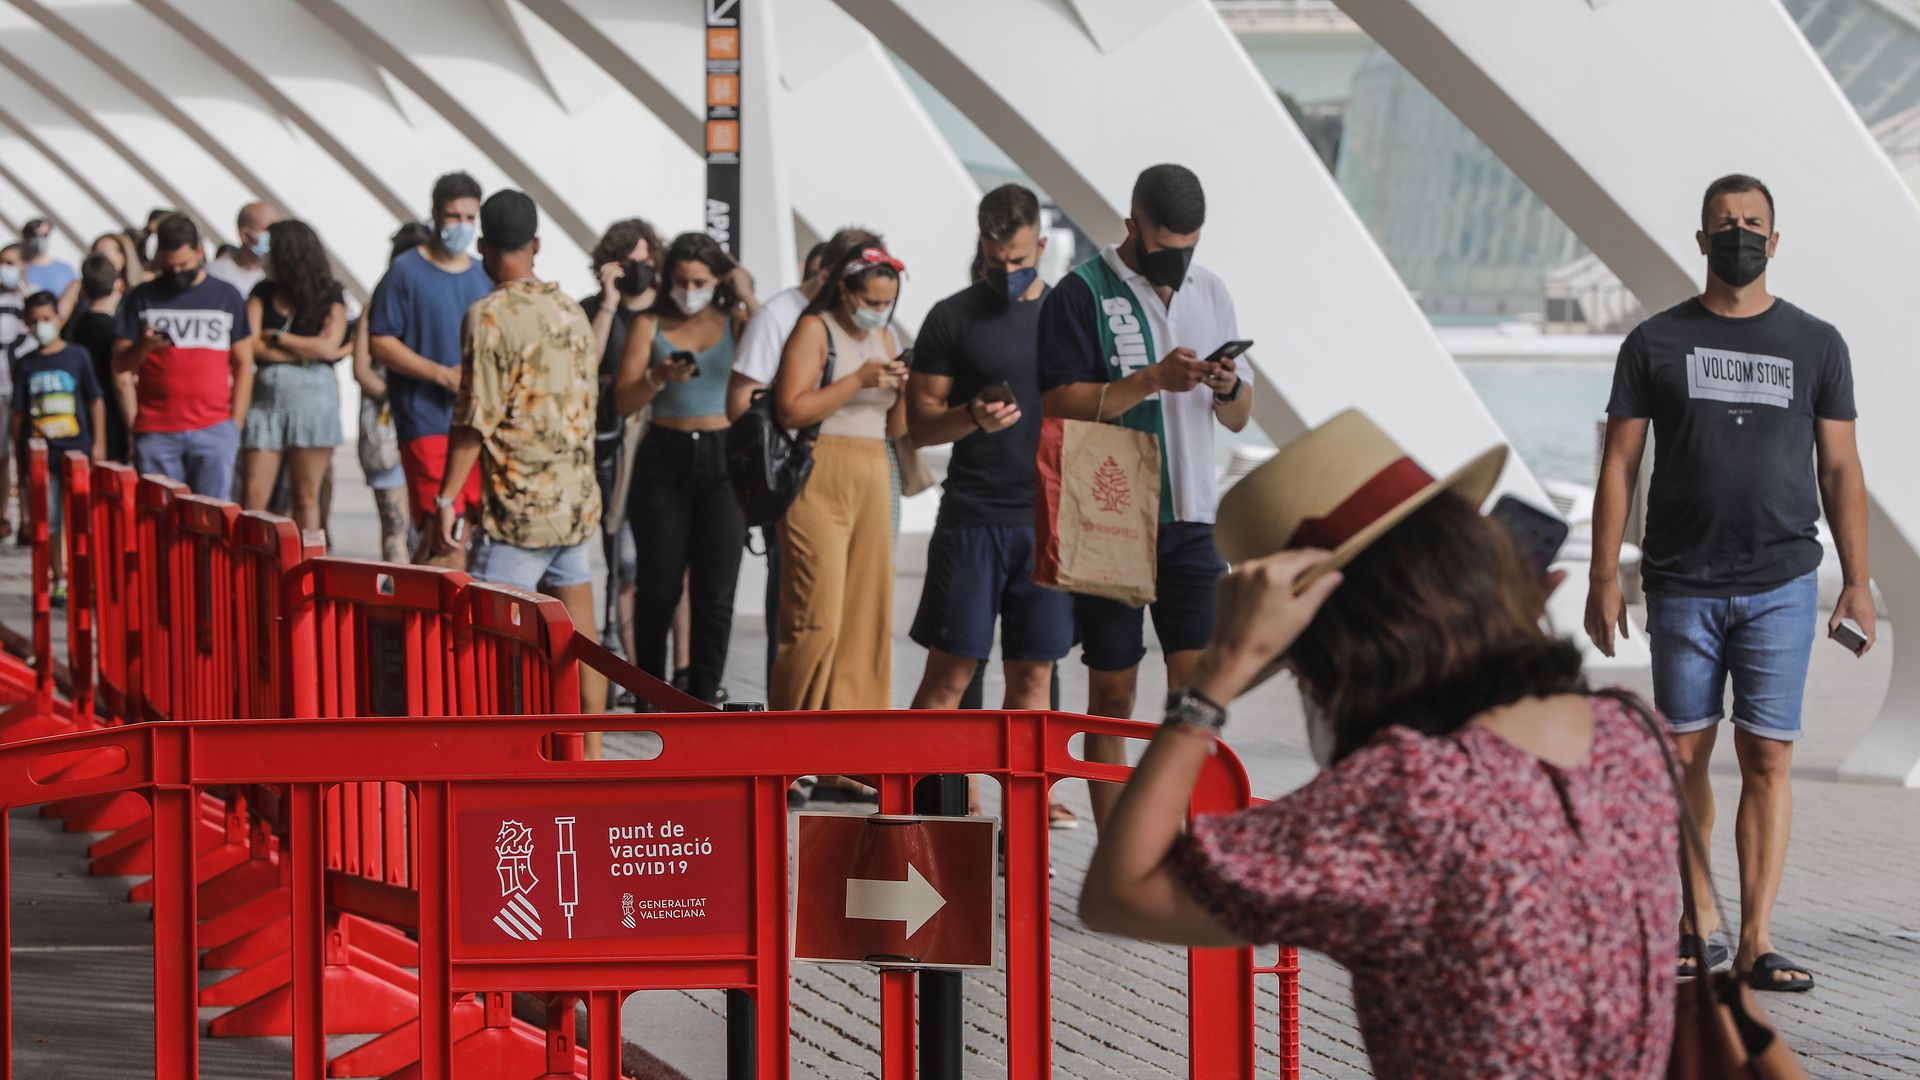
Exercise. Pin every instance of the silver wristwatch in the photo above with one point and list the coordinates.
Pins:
(1193, 709)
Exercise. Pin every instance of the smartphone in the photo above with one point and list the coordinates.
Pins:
(1228, 351)
(1001, 392)
(681, 356)
(1849, 634)
(1537, 533)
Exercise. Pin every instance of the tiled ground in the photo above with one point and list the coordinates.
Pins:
(1850, 908)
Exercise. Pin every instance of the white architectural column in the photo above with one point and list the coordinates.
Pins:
(376, 127)
(1083, 97)
(556, 125)
(125, 128)
(1623, 161)
(88, 163)
(830, 70)
(75, 217)
(223, 115)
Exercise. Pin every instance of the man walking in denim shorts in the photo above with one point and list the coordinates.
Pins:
(1751, 400)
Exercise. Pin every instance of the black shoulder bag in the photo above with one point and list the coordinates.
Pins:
(767, 466)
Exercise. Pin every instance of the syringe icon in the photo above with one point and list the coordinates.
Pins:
(567, 871)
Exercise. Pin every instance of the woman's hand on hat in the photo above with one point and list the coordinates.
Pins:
(1257, 616)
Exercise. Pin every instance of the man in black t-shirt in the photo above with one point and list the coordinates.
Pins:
(1751, 402)
(976, 385)
(91, 328)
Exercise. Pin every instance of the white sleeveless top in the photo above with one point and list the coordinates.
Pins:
(865, 416)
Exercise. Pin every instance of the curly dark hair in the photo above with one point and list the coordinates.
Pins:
(619, 239)
(1435, 623)
(301, 276)
(693, 247)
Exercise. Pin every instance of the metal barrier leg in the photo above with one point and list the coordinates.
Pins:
(740, 1049)
(941, 1036)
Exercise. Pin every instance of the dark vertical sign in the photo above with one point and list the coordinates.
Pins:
(723, 123)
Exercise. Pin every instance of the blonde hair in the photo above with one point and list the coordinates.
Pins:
(133, 269)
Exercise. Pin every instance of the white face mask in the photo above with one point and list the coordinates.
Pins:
(9, 276)
(693, 301)
(45, 332)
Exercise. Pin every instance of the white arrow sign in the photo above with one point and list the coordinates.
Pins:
(912, 901)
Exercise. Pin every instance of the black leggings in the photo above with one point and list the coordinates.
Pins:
(685, 519)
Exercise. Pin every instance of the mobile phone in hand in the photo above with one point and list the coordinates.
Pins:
(1228, 351)
(999, 393)
(681, 356)
(1535, 532)
(1849, 634)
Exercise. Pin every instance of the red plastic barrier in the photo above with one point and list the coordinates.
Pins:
(730, 768)
(78, 513)
(153, 552)
(266, 549)
(28, 690)
(115, 572)
(207, 653)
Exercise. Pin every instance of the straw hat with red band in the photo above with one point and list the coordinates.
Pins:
(1338, 488)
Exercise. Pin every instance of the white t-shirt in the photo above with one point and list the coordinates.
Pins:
(242, 279)
(15, 340)
(758, 355)
(1201, 317)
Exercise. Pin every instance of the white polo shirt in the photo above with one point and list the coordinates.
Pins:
(1200, 317)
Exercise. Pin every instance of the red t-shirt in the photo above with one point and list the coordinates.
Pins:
(187, 385)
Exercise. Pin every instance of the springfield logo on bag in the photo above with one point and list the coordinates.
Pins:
(1742, 378)
(1110, 487)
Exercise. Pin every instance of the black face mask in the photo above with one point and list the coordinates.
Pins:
(636, 277)
(1167, 267)
(1737, 256)
(180, 281)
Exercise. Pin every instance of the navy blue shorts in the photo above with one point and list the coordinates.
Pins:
(1113, 635)
(979, 573)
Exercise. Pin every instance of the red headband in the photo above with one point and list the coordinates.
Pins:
(871, 257)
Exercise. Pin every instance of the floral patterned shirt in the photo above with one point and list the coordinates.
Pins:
(1502, 917)
(529, 386)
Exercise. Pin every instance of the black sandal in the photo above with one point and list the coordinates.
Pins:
(1693, 948)
(1771, 964)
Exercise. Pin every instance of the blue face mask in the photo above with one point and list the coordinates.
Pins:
(870, 319)
(261, 243)
(1013, 283)
(458, 236)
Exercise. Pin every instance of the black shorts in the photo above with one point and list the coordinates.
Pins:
(977, 574)
(1113, 635)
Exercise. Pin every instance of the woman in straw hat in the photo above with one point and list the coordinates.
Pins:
(1490, 850)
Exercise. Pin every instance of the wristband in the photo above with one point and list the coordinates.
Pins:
(441, 502)
(1230, 396)
(1190, 708)
(977, 425)
(650, 380)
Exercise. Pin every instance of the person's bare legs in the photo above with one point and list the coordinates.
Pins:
(1109, 693)
(258, 471)
(1696, 753)
(593, 685)
(306, 473)
(391, 505)
(1760, 830)
(623, 609)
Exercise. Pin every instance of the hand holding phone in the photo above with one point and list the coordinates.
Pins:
(1001, 392)
(1849, 634)
(1228, 351)
(681, 365)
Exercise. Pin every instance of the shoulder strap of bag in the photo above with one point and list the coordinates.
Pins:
(1692, 845)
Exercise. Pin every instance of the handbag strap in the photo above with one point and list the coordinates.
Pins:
(1692, 845)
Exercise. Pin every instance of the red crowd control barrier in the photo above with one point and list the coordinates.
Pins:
(720, 778)
(358, 868)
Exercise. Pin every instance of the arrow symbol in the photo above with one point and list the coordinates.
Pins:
(912, 901)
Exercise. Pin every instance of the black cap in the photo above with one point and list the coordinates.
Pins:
(508, 220)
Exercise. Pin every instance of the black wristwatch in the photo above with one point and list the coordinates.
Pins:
(1190, 708)
(1233, 395)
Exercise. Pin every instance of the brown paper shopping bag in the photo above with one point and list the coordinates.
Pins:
(1097, 518)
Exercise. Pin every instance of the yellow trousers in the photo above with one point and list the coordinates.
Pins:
(836, 583)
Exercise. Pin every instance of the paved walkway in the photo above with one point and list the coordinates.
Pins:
(1848, 909)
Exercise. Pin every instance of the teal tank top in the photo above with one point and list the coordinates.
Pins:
(706, 393)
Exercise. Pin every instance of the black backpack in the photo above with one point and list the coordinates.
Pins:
(767, 466)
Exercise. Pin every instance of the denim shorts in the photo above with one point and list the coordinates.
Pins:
(1763, 642)
(977, 574)
(531, 568)
(1113, 635)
